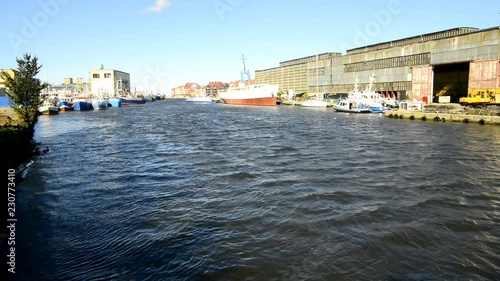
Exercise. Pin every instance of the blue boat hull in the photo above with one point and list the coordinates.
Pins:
(99, 104)
(82, 106)
(65, 106)
(115, 102)
(378, 109)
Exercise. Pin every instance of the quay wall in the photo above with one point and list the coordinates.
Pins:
(443, 117)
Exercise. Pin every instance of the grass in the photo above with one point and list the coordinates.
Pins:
(8, 115)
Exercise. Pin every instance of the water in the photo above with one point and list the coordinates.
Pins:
(171, 191)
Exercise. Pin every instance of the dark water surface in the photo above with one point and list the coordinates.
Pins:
(176, 191)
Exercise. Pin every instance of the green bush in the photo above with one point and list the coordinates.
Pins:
(16, 145)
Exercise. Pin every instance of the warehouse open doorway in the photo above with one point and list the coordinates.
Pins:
(451, 80)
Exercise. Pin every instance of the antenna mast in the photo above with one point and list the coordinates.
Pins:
(244, 66)
(245, 71)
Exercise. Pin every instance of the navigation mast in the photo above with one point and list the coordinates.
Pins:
(245, 71)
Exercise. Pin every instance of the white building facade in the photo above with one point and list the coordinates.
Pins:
(109, 82)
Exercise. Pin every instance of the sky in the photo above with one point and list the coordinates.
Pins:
(167, 43)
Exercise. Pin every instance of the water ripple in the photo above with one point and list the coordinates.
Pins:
(167, 191)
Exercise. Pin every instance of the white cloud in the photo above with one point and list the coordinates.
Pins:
(159, 6)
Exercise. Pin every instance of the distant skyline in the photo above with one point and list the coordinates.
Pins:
(167, 43)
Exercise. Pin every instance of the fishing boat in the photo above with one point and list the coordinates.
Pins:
(82, 104)
(99, 104)
(131, 100)
(350, 106)
(48, 108)
(378, 107)
(250, 94)
(115, 102)
(369, 97)
(65, 106)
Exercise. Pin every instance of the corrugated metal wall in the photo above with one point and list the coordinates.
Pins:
(484, 74)
(422, 83)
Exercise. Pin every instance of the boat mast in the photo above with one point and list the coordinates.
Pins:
(372, 79)
(245, 72)
(244, 66)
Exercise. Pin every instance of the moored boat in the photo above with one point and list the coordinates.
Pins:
(378, 107)
(261, 94)
(132, 100)
(314, 103)
(82, 104)
(48, 108)
(99, 104)
(115, 102)
(350, 106)
(65, 106)
(199, 99)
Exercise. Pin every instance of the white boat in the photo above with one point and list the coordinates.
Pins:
(199, 99)
(370, 98)
(100, 100)
(99, 104)
(264, 94)
(350, 106)
(48, 108)
(115, 102)
(250, 94)
(314, 103)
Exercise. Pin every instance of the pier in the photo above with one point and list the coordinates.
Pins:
(449, 113)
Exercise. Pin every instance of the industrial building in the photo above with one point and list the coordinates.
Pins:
(447, 63)
(109, 82)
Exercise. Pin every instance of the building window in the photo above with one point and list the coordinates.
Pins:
(95, 76)
(107, 75)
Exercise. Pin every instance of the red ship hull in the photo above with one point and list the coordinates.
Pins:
(271, 101)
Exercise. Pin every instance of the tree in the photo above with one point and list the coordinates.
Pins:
(24, 89)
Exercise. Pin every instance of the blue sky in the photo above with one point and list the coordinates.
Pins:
(163, 44)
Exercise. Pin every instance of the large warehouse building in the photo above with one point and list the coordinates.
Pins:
(423, 67)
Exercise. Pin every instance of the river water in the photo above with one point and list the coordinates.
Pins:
(177, 191)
